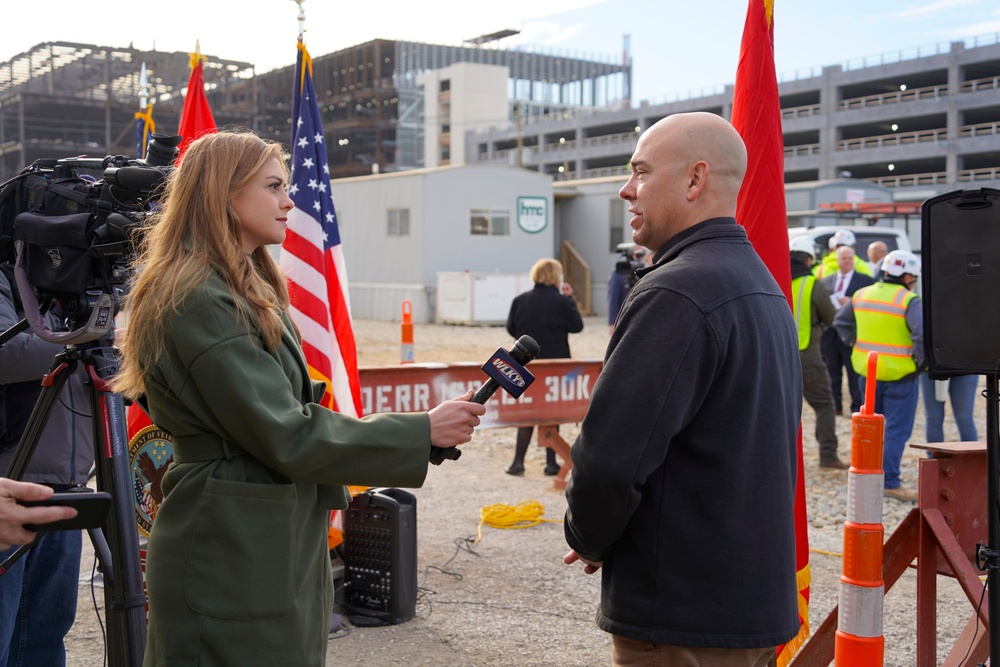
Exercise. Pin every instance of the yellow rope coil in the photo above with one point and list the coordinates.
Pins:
(524, 515)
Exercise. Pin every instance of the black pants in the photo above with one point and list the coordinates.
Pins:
(816, 392)
(838, 356)
(521, 448)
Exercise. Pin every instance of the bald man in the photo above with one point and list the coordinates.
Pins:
(683, 481)
(877, 250)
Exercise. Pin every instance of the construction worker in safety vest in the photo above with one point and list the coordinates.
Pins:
(828, 265)
(887, 318)
(813, 309)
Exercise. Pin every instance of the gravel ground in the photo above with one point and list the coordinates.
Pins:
(508, 599)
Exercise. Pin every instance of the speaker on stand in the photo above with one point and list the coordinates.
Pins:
(961, 282)
(380, 557)
(960, 242)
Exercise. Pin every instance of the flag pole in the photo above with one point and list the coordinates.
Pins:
(144, 117)
(302, 20)
(143, 88)
(143, 99)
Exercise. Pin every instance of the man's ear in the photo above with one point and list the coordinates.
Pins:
(697, 177)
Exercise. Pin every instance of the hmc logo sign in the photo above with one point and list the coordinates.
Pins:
(532, 213)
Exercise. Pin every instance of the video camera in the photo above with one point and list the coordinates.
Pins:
(68, 238)
(631, 260)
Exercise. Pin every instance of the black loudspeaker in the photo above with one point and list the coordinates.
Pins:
(380, 557)
(960, 239)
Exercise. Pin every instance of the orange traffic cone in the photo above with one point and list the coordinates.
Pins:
(859, 641)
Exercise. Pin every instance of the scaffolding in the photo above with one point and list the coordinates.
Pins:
(63, 99)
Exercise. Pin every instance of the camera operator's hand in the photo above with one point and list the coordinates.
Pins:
(13, 516)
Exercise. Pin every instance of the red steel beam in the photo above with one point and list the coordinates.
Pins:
(560, 393)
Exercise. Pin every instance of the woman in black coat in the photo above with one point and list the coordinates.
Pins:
(548, 314)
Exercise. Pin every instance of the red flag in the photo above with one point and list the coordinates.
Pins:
(196, 116)
(761, 210)
(136, 419)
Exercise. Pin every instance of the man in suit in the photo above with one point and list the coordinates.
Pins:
(842, 286)
(828, 265)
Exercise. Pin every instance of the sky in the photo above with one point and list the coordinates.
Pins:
(679, 49)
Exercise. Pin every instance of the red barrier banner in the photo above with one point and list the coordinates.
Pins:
(560, 393)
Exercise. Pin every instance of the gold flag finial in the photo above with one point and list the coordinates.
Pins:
(196, 57)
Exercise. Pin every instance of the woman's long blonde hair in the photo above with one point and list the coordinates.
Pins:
(196, 231)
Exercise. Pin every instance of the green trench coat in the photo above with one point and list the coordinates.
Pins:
(237, 565)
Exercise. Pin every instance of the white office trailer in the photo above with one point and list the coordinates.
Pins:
(401, 230)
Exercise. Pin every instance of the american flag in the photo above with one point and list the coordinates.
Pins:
(312, 256)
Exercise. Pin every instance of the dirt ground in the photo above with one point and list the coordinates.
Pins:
(507, 599)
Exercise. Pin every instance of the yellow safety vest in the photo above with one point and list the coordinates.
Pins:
(880, 316)
(828, 266)
(802, 292)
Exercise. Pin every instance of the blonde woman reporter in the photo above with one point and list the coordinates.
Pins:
(237, 568)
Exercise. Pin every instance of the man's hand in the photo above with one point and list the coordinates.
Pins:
(13, 516)
(589, 567)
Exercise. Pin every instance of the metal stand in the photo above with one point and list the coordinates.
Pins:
(118, 556)
(942, 534)
(989, 555)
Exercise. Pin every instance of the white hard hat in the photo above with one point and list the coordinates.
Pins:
(898, 262)
(843, 237)
(804, 244)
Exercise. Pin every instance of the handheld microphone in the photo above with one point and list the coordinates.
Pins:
(512, 377)
(522, 351)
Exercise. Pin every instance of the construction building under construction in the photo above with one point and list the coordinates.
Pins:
(61, 99)
(64, 99)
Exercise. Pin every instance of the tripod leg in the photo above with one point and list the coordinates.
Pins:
(52, 385)
(124, 598)
(13, 558)
(103, 553)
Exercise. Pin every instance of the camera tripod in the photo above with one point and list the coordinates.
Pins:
(116, 543)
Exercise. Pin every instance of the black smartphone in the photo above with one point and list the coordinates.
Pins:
(91, 507)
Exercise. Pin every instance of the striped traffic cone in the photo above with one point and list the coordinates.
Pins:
(406, 349)
(859, 641)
